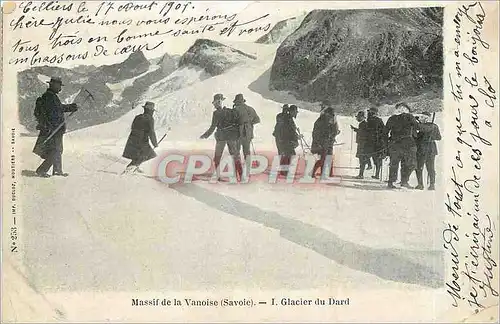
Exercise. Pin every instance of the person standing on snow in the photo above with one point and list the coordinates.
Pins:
(376, 142)
(427, 150)
(226, 121)
(323, 137)
(247, 119)
(362, 143)
(401, 144)
(49, 112)
(278, 128)
(289, 138)
(138, 148)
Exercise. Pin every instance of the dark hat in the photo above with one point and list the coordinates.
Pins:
(239, 98)
(219, 96)
(285, 106)
(326, 103)
(55, 80)
(293, 107)
(403, 104)
(149, 105)
(328, 111)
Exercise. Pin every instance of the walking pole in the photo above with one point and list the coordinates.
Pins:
(427, 171)
(381, 169)
(255, 163)
(350, 159)
(163, 137)
(57, 129)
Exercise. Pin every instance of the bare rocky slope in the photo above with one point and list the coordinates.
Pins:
(358, 57)
(281, 30)
(214, 57)
(96, 80)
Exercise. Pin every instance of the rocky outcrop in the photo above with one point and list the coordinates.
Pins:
(166, 65)
(215, 58)
(355, 56)
(281, 30)
(97, 80)
(134, 65)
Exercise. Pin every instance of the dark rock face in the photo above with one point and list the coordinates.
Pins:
(102, 108)
(214, 57)
(352, 56)
(280, 31)
(134, 65)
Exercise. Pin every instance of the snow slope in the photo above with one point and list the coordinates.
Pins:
(97, 230)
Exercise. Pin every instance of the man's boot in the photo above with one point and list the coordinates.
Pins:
(361, 171)
(391, 185)
(239, 171)
(60, 174)
(420, 185)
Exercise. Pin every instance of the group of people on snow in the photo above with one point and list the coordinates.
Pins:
(233, 127)
(287, 135)
(408, 141)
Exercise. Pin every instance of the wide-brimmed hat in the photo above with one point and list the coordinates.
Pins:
(326, 103)
(149, 105)
(328, 111)
(403, 104)
(55, 80)
(239, 98)
(218, 96)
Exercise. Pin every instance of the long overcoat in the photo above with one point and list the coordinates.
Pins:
(138, 147)
(49, 112)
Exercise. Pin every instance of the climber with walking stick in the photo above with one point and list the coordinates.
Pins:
(49, 113)
(138, 148)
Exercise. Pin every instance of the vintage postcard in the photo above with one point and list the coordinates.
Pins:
(250, 161)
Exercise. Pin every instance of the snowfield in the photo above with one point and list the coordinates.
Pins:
(97, 230)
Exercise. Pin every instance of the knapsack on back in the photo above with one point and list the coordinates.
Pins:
(230, 117)
(38, 108)
(38, 112)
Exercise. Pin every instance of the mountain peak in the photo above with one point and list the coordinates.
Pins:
(214, 57)
(281, 30)
(350, 56)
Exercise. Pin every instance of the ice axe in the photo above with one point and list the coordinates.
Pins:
(255, 164)
(88, 95)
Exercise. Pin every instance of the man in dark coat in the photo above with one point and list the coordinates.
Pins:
(401, 144)
(226, 121)
(323, 137)
(289, 139)
(375, 146)
(248, 118)
(278, 128)
(427, 150)
(362, 143)
(138, 148)
(49, 112)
